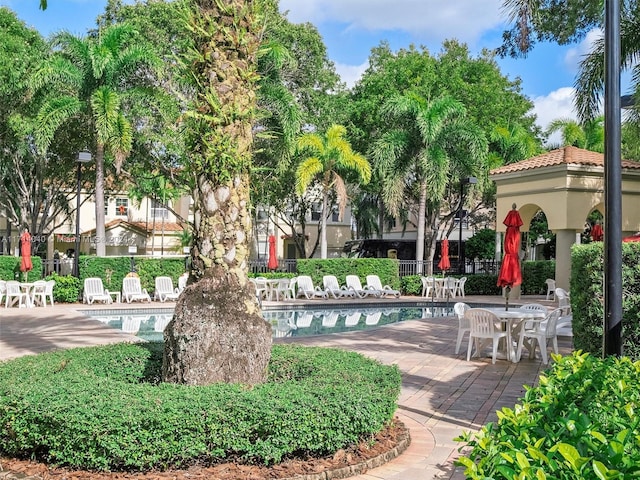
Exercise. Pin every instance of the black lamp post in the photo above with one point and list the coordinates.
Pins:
(83, 157)
(463, 182)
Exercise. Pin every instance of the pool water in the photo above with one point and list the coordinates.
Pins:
(149, 324)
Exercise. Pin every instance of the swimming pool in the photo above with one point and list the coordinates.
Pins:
(149, 324)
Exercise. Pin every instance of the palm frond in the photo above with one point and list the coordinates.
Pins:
(53, 113)
(105, 105)
(306, 173)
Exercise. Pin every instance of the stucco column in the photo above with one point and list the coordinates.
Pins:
(498, 252)
(564, 240)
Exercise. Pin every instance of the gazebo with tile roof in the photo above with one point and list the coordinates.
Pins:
(566, 184)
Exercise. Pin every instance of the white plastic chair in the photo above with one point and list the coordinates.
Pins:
(428, 286)
(374, 283)
(3, 289)
(540, 331)
(353, 282)
(483, 326)
(13, 293)
(460, 287)
(283, 289)
(564, 300)
(132, 290)
(164, 290)
(463, 323)
(43, 291)
(308, 290)
(182, 282)
(333, 288)
(262, 289)
(551, 288)
(94, 291)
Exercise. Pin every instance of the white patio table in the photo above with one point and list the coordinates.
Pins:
(513, 319)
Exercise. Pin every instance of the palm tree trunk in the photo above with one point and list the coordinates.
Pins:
(217, 333)
(323, 225)
(422, 209)
(380, 217)
(101, 246)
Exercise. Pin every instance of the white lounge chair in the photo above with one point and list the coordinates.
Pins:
(94, 291)
(164, 290)
(333, 288)
(353, 282)
(372, 318)
(308, 290)
(374, 283)
(132, 290)
(352, 319)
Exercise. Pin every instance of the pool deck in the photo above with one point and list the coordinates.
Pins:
(442, 394)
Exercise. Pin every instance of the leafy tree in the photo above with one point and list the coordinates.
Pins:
(420, 155)
(481, 245)
(91, 79)
(327, 159)
(35, 188)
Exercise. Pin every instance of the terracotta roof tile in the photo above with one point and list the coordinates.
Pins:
(144, 226)
(566, 155)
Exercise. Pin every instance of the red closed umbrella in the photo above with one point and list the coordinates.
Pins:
(633, 238)
(25, 252)
(597, 233)
(510, 273)
(272, 263)
(444, 263)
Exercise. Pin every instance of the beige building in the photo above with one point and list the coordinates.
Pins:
(567, 184)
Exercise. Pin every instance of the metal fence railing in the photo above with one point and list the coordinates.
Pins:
(405, 267)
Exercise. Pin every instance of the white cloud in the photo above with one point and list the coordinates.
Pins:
(350, 74)
(424, 19)
(575, 55)
(555, 105)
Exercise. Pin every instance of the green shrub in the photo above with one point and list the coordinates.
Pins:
(411, 284)
(150, 268)
(385, 268)
(103, 408)
(111, 270)
(579, 423)
(534, 275)
(67, 288)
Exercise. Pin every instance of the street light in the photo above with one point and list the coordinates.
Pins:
(83, 157)
(463, 182)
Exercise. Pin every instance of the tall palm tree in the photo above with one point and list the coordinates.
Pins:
(588, 134)
(330, 156)
(417, 155)
(92, 80)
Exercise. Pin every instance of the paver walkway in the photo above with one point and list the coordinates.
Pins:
(442, 394)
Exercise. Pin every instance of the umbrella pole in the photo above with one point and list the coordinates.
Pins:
(506, 296)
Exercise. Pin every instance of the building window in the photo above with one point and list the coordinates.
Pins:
(106, 206)
(158, 210)
(122, 207)
(335, 217)
(316, 212)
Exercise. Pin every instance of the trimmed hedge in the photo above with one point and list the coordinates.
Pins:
(385, 268)
(67, 288)
(587, 277)
(10, 269)
(103, 408)
(534, 275)
(579, 423)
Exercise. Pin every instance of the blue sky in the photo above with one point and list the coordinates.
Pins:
(350, 28)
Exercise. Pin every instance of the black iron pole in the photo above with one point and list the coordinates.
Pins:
(76, 253)
(460, 263)
(613, 184)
